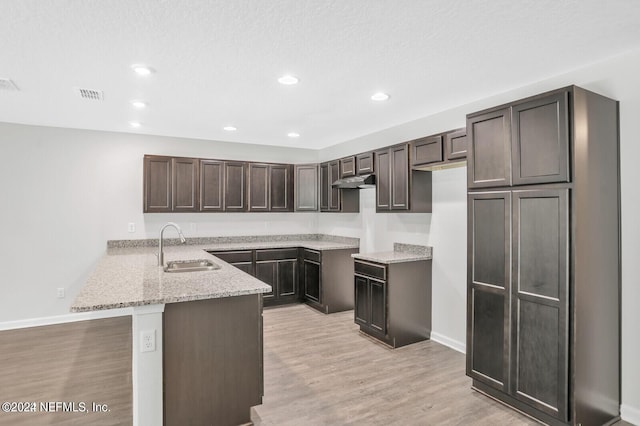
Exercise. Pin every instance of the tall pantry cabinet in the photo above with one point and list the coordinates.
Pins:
(543, 300)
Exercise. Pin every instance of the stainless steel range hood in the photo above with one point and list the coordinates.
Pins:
(356, 182)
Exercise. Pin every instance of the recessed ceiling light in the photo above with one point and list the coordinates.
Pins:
(380, 96)
(288, 79)
(293, 135)
(143, 70)
(135, 124)
(139, 104)
(230, 128)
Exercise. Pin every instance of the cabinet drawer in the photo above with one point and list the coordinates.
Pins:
(311, 255)
(278, 254)
(370, 270)
(234, 256)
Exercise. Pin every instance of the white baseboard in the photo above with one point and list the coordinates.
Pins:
(63, 319)
(630, 414)
(447, 341)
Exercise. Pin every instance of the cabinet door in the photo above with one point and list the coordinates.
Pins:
(488, 275)
(306, 187)
(361, 297)
(400, 177)
(324, 187)
(426, 150)
(455, 144)
(157, 184)
(334, 175)
(280, 188)
(258, 187)
(185, 184)
(311, 273)
(267, 272)
(540, 329)
(489, 157)
(287, 277)
(211, 186)
(348, 167)
(378, 301)
(383, 180)
(540, 140)
(234, 187)
(364, 163)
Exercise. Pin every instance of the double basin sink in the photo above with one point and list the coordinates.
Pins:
(191, 265)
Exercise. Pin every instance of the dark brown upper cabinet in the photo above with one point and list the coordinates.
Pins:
(325, 187)
(520, 144)
(306, 187)
(489, 157)
(540, 140)
(426, 150)
(398, 188)
(455, 144)
(235, 193)
(348, 167)
(270, 187)
(211, 186)
(170, 184)
(364, 163)
(335, 199)
(334, 193)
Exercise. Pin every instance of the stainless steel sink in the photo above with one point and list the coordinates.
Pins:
(191, 266)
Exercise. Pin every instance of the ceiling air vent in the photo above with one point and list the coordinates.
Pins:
(7, 84)
(90, 94)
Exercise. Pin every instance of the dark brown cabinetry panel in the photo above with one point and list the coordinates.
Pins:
(489, 156)
(426, 150)
(488, 319)
(455, 144)
(258, 187)
(270, 187)
(157, 184)
(362, 310)
(235, 195)
(334, 175)
(348, 167)
(540, 290)
(184, 184)
(560, 290)
(383, 180)
(212, 361)
(540, 140)
(328, 279)
(311, 277)
(400, 177)
(211, 185)
(306, 187)
(325, 187)
(364, 163)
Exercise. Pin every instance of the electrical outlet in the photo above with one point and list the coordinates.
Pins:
(194, 227)
(60, 292)
(131, 227)
(148, 340)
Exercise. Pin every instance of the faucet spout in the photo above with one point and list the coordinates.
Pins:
(161, 241)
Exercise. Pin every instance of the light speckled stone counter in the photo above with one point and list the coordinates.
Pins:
(130, 276)
(401, 253)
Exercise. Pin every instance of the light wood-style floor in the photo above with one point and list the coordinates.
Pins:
(319, 370)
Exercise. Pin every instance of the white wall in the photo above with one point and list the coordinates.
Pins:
(66, 192)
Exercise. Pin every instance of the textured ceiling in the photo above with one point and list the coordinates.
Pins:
(218, 62)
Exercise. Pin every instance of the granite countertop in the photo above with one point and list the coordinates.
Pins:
(400, 253)
(128, 274)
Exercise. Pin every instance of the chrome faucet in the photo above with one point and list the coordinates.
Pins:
(161, 242)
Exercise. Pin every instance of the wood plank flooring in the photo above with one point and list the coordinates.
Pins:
(319, 370)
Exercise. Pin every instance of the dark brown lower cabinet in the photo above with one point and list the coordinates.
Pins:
(393, 301)
(212, 356)
(327, 279)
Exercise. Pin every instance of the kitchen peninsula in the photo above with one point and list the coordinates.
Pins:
(180, 318)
